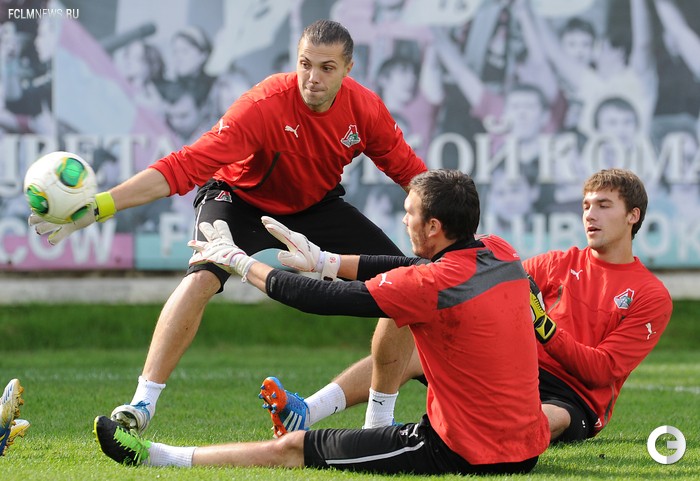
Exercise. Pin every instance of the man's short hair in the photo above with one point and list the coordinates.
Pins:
(175, 90)
(328, 32)
(615, 102)
(394, 63)
(578, 24)
(196, 37)
(621, 38)
(397, 62)
(627, 184)
(449, 196)
(533, 89)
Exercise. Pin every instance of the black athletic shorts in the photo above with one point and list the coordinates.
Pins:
(556, 392)
(332, 224)
(409, 448)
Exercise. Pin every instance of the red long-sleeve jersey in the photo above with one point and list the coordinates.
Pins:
(608, 317)
(281, 156)
(474, 338)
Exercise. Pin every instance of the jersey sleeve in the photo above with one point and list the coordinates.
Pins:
(621, 350)
(232, 140)
(403, 293)
(389, 150)
(536, 267)
(315, 296)
(373, 265)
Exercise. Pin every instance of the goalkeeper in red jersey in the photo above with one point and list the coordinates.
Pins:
(606, 309)
(605, 313)
(280, 150)
(469, 314)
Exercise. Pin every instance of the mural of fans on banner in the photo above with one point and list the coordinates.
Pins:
(528, 96)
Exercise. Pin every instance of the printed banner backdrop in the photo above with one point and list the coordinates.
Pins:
(528, 96)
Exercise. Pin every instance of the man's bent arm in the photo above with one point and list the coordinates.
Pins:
(364, 267)
(314, 295)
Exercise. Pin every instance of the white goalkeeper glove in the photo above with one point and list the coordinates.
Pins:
(220, 249)
(303, 254)
(99, 209)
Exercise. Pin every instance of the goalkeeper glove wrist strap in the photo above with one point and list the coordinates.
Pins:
(544, 329)
(329, 265)
(104, 206)
(242, 265)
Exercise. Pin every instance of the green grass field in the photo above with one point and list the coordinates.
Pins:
(80, 361)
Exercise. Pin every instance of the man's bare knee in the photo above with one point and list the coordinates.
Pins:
(414, 368)
(204, 283)
(559, 419)
(289, 449)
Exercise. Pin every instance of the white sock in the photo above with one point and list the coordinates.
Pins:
(380, 409)
(148, 392)
(328, 400)
(165, 455)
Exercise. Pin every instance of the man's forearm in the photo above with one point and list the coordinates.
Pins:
(314, 295)
(348, 266)
(365, 267)
(257, 275)
(143, 188)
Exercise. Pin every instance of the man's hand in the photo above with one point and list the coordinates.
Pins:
(220, 249)
(544, 325)
(99, 209)
(302, 254)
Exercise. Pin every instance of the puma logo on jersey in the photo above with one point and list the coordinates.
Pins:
(289, 128)
(651, 333)
(222, 126)
(577, 274)
(383, 280)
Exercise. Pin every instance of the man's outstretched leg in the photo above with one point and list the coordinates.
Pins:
(176, 328)
(127, 447)
(349, 388)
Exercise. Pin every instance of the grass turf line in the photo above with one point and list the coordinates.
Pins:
(212, 396)
(67, 326)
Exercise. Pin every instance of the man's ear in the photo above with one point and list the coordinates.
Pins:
(435, 226)
(633, 216)
(348, 68)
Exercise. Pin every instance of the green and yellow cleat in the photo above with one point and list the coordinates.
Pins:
(124, 447)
